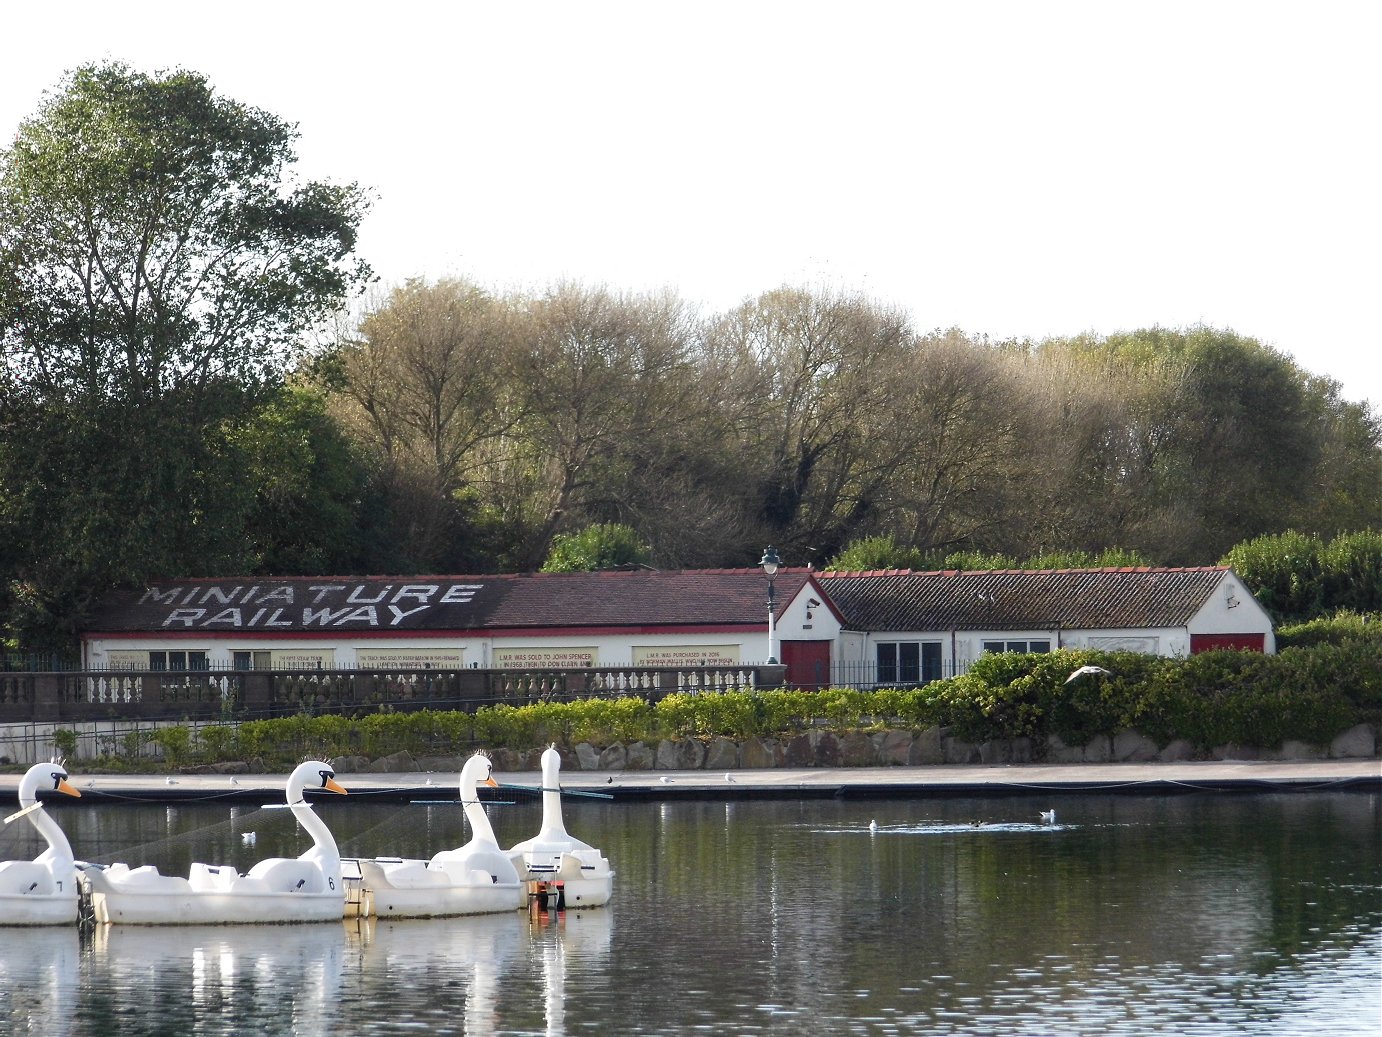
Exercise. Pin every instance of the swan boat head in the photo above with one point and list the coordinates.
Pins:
(42, 891)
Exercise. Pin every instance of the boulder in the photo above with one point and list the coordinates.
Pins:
(756, 752)
(828, 750)
(928, 749)
(394, 763)
(1133, 747)
(800, 751)
(722, 754)
(1360, 741)
(1177, 751)
(614, 758)
(348, 764)
(587, 757)
(639, 757)
(894, 748)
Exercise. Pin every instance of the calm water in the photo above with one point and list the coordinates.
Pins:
(1208, 914)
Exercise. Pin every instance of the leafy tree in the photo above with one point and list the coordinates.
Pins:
(873, 553)
(157, 264)
(423, 386)
(606, 545)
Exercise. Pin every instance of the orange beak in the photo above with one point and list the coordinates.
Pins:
(332, 785)
(63, 786)
(491, 782)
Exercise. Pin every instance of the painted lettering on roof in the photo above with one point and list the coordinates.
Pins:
(267, 606)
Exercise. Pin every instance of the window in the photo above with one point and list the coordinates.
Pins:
(1017, 646)
(251, 660)
(177, 661)
(908, 662)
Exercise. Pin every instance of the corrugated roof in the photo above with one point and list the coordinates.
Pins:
(1010, 599)
(642, 598)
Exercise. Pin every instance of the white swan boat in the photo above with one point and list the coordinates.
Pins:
(477, 878)
(578, 870)
(42, 891)
(281, 889)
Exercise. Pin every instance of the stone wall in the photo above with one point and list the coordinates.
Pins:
(818, 748)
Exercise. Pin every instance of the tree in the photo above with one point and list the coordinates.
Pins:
(605, 545)
(158, 265)
(423, 386)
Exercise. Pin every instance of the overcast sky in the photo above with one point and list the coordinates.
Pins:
(1010, 168)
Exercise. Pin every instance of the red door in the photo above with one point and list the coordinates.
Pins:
(808, 664)
(1222, 642)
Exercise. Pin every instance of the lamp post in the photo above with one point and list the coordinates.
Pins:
(770, 563)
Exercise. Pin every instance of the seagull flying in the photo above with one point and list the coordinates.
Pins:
(248, 838)
(1048, 817)
(1085, 671)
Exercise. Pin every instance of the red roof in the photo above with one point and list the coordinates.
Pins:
(643, 598)
(1021, 599)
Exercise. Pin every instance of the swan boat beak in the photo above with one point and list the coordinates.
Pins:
(333, 786)
(65, 786)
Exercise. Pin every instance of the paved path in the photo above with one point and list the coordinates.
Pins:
(1228, 775)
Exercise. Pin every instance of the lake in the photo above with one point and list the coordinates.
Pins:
(1202, 913)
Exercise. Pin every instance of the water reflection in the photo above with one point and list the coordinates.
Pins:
(39, 979)
(475, 975)
(1219, 915)
(203, 977)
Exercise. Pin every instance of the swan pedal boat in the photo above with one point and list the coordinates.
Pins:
(555, 857)
(308, 888)
(42, 891)
(474, 879)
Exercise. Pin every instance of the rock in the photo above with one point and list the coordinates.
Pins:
(1133, 747)
(800, 751)
(928, 749)
(344, 764)
(444, 764)
(956, 750)
(614, 758)
(684, 754)
(894, 748)
(587, 757)
(755, 752)
(1294, 750)
(1177, 751)
(396, 763)
(639, 757)
(1058, 752)
(828, 753)
(1360, 741)
(857, 750)
(231, 767)
(722, 754)
(1235, 752)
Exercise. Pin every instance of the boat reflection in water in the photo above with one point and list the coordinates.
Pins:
(198, 974)
(39, 979)
(481, 973)
(567, 943)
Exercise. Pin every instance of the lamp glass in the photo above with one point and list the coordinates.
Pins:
(770, 560)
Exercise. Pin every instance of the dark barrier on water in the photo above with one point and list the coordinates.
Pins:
(50, 697)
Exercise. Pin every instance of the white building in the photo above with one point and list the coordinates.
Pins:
(891, 626)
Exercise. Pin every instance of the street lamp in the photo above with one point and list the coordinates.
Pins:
(770, 563)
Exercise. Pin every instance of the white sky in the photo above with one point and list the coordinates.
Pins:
(1009, 168)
